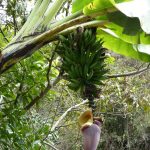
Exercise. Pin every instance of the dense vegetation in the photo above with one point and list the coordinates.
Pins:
(39, 111)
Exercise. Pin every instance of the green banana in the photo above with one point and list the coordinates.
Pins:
(85, 70)
(90, 75)
(80, 70)
(82, 59)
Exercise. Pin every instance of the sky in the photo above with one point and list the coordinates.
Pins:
(30, 5)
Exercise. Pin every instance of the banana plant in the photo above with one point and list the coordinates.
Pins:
(83, 63)
(124, 28)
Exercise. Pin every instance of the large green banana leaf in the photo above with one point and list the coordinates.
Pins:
(131, 36)
(139, 9)
(79, 4)
(112, 41)
(91, 6)
(127, 28)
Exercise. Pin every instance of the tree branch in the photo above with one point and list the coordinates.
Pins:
(112, 113)
(44, 92)
(20, 89)
(7, 102)
(4, 35)
(50, 145)
(65, 114)
(50, 64)
(36, 99)
(130, 73)
(14, 23)
(18, 93)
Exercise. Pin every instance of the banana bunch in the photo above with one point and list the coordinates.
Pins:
(83, 61)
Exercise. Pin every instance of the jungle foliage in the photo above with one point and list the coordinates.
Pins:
(38, 110)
